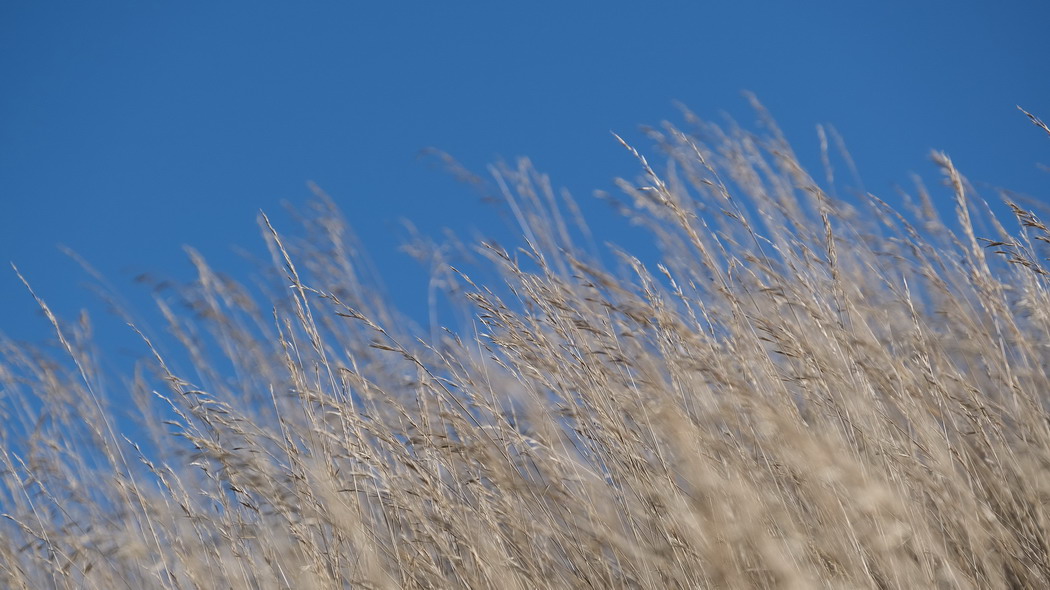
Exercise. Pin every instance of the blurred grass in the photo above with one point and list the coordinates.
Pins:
(803, 391)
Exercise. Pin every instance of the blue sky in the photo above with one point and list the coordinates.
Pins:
(128, 129)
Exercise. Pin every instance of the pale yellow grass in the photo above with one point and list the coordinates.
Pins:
(804, 392)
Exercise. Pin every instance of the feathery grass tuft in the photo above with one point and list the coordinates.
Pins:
(802, 391)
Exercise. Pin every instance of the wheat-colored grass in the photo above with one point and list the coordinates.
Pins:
(803, 392)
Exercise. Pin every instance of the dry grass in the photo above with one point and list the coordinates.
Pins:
(804, 392)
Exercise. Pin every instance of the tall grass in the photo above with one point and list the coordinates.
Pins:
(803, 391)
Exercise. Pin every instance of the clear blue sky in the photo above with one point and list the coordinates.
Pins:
(128, 129)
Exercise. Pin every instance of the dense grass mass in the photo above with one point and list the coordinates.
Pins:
(803, 391)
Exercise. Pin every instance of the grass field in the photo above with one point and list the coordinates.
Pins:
(804, 391)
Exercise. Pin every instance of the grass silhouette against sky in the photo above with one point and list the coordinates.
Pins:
(132, 129)
(782, 380)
